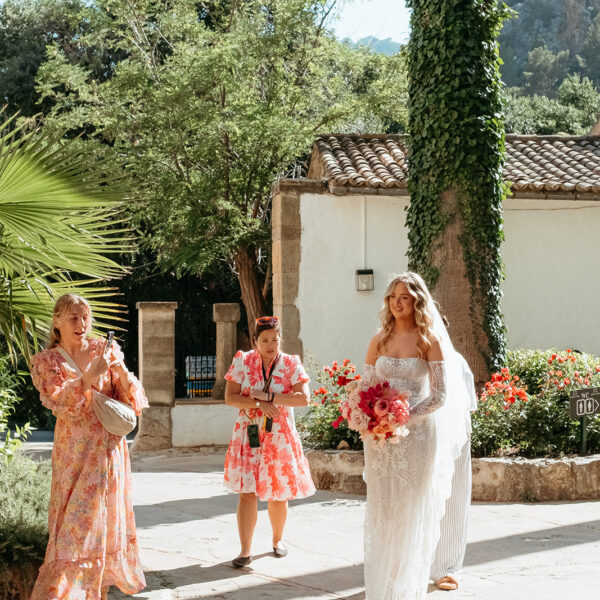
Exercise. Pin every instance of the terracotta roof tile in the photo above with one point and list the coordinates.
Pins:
(551, 164)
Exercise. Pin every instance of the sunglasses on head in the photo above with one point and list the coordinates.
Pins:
(267, 320)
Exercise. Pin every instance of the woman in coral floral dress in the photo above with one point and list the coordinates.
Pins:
(92, 543)
(263, 464)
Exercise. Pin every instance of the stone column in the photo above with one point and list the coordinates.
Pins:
(286, 227)
(157, 373)
(226, 317)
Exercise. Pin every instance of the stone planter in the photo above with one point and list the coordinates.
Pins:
(494, 479)
(338, 470)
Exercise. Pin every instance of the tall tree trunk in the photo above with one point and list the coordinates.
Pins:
(455, 169)
(245, 263)
(455, 294)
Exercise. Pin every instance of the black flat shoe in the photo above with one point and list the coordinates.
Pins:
(241, 561)
(280, 550)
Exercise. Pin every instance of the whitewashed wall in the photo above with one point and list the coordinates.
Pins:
(551, 252)
(336, 321)
(552, 286)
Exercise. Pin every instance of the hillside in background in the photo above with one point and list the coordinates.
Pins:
(548, 40)
(387, 46)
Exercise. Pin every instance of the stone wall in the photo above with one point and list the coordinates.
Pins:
(169, 421)
(536, 480)
(494, 479)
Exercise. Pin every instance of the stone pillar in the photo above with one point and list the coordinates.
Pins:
(286, 235)
(157, 373)
(226, 317)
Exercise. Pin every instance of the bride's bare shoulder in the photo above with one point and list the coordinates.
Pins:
(372, 350)
(435, 352)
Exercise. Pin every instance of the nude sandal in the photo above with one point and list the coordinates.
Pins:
(447, 583)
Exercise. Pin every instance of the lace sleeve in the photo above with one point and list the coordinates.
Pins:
(437, 391)
(369, 375)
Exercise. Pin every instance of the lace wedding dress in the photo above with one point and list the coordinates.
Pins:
(406, 485)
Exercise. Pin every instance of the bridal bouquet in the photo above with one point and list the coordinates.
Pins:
(378, 411)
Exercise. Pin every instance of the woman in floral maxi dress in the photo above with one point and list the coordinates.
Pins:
(92, 543)
(277, 470)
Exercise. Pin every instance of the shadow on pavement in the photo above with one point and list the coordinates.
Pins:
(181, 511)
(532, 541)
(196, 509)
(321, 583)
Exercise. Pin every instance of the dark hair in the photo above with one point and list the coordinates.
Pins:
(266, 327)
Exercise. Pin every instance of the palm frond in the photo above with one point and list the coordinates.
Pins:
(61, 217)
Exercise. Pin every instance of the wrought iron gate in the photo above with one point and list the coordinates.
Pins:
(195, 353)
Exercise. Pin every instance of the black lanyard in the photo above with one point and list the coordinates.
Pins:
(267, 379)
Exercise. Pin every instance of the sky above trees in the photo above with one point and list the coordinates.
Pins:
(378, 18)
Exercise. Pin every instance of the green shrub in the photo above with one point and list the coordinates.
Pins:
(315, 427)
(28, 409)
(10, 442)
(530, 365)
(541, 425)
(24, 498)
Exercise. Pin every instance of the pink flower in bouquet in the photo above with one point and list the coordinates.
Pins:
(382, 407)
(399, 407)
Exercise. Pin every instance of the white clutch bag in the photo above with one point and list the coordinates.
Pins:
(116, 417)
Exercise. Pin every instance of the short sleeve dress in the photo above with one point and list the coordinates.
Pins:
(92, 542)
(278, 469)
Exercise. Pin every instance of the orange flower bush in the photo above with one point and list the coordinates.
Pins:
(504, 388)
(572, 370)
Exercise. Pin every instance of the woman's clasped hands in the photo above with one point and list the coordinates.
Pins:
(266, 405)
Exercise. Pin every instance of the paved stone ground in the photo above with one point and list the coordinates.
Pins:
(187, 534)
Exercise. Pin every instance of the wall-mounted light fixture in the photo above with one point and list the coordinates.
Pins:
(365, 282)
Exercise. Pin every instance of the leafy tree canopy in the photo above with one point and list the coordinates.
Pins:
(209, 105)
(26, 29)
(573, 111)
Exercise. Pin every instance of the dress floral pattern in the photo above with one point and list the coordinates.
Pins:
(278, 469)
(92, 542)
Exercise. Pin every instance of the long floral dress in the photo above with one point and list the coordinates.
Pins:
(92, 542)
(278, 469)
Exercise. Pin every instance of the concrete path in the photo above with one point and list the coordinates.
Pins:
(187, 534)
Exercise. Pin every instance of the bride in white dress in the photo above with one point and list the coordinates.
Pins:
(408, 483)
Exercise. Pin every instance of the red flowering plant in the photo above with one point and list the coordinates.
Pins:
(317, 426)
(499, 405)
(571, 370)
(524, 408)
(503, 389)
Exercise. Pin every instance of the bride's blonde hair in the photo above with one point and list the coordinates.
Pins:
(423, 311)
(62, 311)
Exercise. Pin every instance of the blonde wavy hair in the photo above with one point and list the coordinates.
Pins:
(62, 311)
(423, 311)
